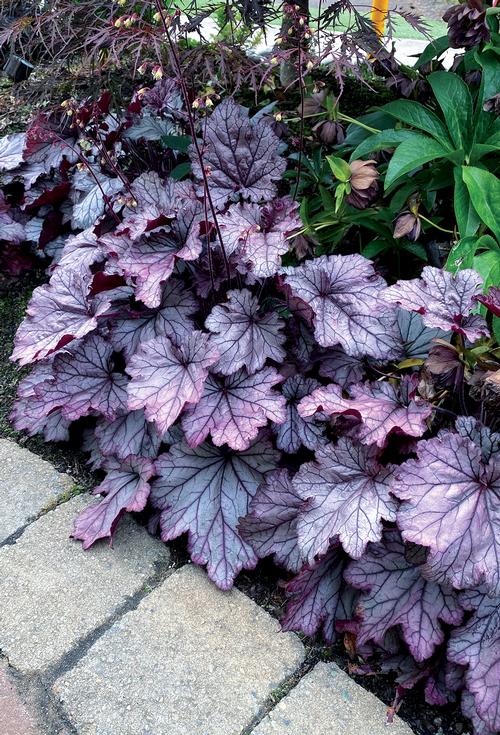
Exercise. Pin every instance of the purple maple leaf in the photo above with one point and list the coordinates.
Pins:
(205, 491)
(477, 645)
(128, 434)
(344, 293)
(240, 155)
(233, 409)
(318, 597)
(295, 430)
(84, 382)
(150, 261)
(396, 593)
(444, 300)
(244, 336)
(166, 376)
(12, 151)
(125, 487)
(271, 524)
(382, 408)
(451, 505)
(58, 313)
(347, 494)
(259, 234)
(171, 319)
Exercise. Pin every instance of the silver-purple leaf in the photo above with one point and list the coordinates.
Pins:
(12, 151)
(149, 261)
(318, 597)
(395, 593)
(347, 494)
(167, 376)
(205, 491)
(451, 497)
(271, 524)
(445, 300)
(477, 645)
(58, 313)
(152, 207)
(296, 431)
(240, 155)
(243, 336)
(10, 230)
(340, 367)
(171, 319)
(128, 434)
(80, 252)
(344, 293)
(84, 382)
(34, 415)
(89, 194)
(416, 338)
(259, 234)
(233, 409)
(382, 408)
(125, 488)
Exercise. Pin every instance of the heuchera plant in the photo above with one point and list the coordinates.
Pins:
(261, 402)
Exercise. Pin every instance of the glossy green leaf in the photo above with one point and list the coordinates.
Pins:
(455, 101)
(488, 266)
(381, 141)
(484, 191)
(410, 155)
(468, 220)
(414, 114)
(435, 48)
(461, 255)
(340, 168)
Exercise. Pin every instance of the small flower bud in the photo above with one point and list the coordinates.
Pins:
(278, 116)
(128, 22)
(143, 68)
(122, 2)
(309, 65)
(208, 102)
(118, 23)
(157, 72)
(195, 104)
(157, 17)
(274, 60)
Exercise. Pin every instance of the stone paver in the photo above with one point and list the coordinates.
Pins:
(28, 484)
(14, 716)
(190, 660)
(328, 702)
(52, 593)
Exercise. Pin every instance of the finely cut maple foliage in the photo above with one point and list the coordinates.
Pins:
(234, 388)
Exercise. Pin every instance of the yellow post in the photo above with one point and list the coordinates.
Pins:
(379, 14)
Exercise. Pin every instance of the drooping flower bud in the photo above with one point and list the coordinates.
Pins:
(364, 184)
(407, 225)
(329, 132)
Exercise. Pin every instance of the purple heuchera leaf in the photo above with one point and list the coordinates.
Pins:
(469, 710)
(271, 524)
(477, 646)
(347, 493)
(240, 156)
(150, 261)
(205, 491)
(58, 313)
(491, 300)
(11, 151)
(35, 415)
(171, 319)
(340, 367)
(381, 407)
(344, 293)
(128, 434)
(295, 430)
(233, 409)
(153, 205)
(80, 252)
(416, 338)
(84, 383)
(259, 234)
(243, 336)
(318, 597)
(10, 230)
(396, 593)
(444, 300)
(126, 488)
(89, 193)
(451, 505)
(166, 376)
